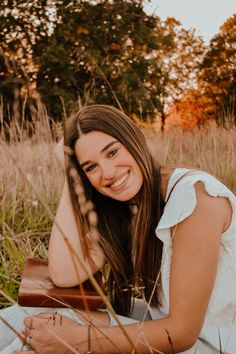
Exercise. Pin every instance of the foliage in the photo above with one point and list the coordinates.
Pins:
(193, 109)
(114, 53)
(105, 51)
(97, 53)
(78, 51)
(175, 64)
(24, 29)
(218, 70)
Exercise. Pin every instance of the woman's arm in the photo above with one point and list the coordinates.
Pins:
(196, 242)
(63, 271)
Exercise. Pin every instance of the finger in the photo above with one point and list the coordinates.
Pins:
(29, 322)
(29, 343)
(30, 331)
(52, 318)
(42, 317)
(46, 315)
(22, 335)
(27, 331)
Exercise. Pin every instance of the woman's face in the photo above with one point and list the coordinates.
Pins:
(108, 165)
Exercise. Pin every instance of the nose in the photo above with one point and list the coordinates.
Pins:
(108, 170)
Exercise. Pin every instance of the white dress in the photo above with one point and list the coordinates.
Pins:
(220, 321)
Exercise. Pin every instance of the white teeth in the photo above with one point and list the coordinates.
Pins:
(119, 182)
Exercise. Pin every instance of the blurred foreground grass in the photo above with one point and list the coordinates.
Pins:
(25, 224)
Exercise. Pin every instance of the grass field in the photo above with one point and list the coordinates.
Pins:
(30, 175)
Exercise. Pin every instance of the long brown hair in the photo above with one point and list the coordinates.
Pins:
(132, 250)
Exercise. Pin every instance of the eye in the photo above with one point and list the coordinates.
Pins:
(112, 153)
(90, 168)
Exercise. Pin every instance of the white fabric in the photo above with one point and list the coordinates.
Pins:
(220, 317)
(15, 315)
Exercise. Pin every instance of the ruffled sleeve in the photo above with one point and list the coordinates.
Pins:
(182, 198)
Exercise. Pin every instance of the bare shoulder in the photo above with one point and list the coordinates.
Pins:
(218, 207)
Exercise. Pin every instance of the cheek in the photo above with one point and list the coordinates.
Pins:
(140, 176)
(93, 179)
(138, 173)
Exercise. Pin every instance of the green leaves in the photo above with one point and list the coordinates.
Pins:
(79, 52)
(218, 71)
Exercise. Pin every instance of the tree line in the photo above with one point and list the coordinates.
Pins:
(74, 52)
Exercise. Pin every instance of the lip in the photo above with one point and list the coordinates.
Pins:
(116, 179)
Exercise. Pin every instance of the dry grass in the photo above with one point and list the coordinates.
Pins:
(212, 150)
(25, 225)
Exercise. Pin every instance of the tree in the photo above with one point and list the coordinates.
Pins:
(218, 70)
(80, 51)
(24, 30)
(175, 64)
(112, 52)
(192, 110)
(98, 52)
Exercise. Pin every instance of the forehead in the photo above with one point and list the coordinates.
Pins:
(88, 145)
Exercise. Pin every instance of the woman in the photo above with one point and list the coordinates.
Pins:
(171, 233)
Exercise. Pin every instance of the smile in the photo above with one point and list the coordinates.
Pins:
(120, 181)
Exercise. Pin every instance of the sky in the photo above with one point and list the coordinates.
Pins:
(206, 16)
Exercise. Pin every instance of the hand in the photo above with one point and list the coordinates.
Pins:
(50, 333)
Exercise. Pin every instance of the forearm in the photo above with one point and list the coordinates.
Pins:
(160, 335)
(65, 247)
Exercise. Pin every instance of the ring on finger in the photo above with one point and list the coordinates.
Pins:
(27, 343)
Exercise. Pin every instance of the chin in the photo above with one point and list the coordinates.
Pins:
(126, 197)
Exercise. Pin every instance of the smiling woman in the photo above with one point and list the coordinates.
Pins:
(111, 169)
(178, 249)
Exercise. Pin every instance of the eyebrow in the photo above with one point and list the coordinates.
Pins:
(103, 149)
